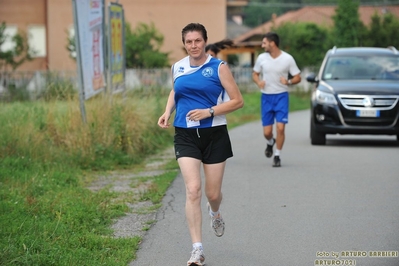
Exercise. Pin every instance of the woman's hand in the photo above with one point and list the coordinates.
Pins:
(163, 121)
(198, 114)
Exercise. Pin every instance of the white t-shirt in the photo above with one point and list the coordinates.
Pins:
(272, 69)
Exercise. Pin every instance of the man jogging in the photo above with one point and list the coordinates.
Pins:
(274, 66)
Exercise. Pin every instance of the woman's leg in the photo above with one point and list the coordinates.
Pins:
(190, 169)
(213, 184)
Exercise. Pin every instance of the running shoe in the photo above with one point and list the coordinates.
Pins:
(276, 161)
(269, 149)
(197, 257)
(217, 223)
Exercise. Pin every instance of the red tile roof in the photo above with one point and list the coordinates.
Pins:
(321, 15)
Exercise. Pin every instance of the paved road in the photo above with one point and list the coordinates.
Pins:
(342, 197)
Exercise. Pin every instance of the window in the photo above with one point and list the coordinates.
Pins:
(71, 42)
(37, 40)
(362, 67)
(9, 32)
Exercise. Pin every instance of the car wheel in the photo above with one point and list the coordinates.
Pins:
(316, 138)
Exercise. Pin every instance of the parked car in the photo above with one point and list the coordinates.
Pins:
(355, 92)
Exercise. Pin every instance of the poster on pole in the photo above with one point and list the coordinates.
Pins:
(89, 32)
(116, 44)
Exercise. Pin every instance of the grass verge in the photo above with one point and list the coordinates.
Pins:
(48, 216)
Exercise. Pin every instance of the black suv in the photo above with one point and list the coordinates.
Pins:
(356, 92)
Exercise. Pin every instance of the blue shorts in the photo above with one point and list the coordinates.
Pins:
(274, 107)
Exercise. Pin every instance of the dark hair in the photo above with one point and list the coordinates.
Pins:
(194, 27)
(213, 48)
(217, 46)
(272, 37)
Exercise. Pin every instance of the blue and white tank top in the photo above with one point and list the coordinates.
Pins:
(197, 87)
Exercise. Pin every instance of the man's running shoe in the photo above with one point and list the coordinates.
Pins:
(197, 257)
(276, 161)
(269, 149)
(217, 223)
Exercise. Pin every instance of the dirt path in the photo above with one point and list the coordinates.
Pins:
(142, 213)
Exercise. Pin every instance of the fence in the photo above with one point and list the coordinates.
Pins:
(36, 85)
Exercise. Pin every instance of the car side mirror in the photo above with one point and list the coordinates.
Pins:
(312, 78)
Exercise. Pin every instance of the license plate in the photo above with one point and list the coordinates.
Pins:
(368, 113)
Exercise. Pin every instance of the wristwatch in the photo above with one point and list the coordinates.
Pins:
(211, 111)
(289, 82)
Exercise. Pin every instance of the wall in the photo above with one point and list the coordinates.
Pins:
(168, 16)
(22, 13)
(60, 21)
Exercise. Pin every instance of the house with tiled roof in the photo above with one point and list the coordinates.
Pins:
(250, 41)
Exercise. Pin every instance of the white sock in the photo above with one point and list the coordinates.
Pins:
(212, 213)
(277, 152)
(270, 141)
(197, 245)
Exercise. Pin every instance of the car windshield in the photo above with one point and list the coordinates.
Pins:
(362, 67)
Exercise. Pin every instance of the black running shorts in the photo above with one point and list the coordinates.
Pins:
(210, 145)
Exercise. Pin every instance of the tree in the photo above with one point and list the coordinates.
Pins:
(260, 11)
(143, 47)
(306, 42)
(255, 14)
(18, 54)
(319, 2)
(71, 46)
(348, 29)
(391, 25)
(383, 31)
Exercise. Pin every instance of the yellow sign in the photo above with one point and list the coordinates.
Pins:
(117, 53)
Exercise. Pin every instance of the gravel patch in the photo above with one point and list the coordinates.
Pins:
(142, 214)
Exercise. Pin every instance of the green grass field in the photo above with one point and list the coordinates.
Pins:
(48, 157)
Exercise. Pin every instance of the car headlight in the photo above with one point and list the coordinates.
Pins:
(325, 98)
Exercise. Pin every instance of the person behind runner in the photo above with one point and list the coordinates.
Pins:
(201, 135)
(275, 66)
(214, 48)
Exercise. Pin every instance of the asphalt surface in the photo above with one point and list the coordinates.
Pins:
(326, 204)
